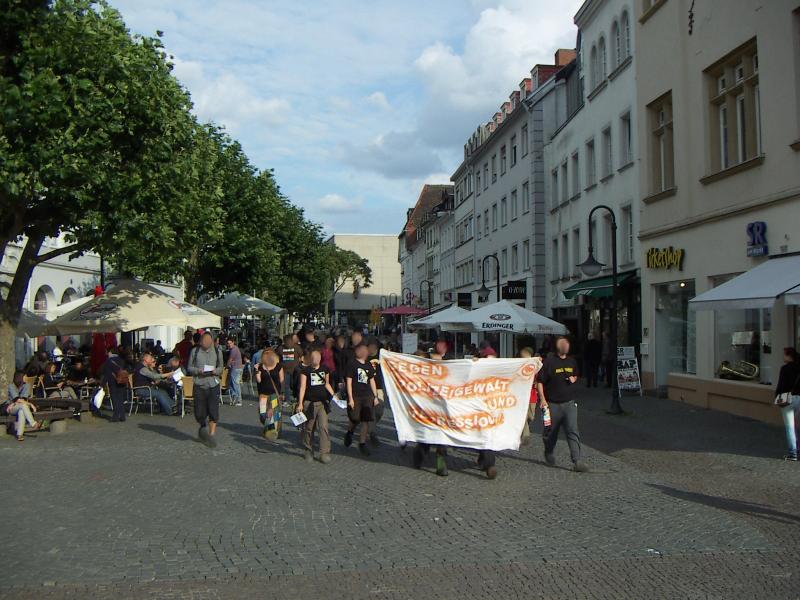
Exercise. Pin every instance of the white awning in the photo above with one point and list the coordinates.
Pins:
(793, 296)
(757, 288)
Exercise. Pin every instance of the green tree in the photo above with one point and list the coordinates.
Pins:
(95, 144)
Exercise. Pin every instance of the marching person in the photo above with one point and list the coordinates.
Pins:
(314, 401)
(205, 366)
(421, 450)
(236, 366)
(528, 352)
(557, 391)
(373, 351)
(362, 397)
(269, 381)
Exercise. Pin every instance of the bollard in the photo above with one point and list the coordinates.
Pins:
(58, 427)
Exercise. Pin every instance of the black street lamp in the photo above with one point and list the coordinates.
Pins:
(591, 267)
(429, 283)
(390, 299)
(483, 291)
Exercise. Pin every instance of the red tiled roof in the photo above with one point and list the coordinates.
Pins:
(429, 197)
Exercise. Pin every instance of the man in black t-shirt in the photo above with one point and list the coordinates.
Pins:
(314, 400)
(556, 386)
(362, 397)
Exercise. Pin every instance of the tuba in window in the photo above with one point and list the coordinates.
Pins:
(740, 370)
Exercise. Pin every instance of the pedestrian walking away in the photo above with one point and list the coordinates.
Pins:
(361, 397)
(269, 381)
(314, 400)
(205, 366)
(236, 365)
(556, 387)
(592, 356)
(787, 397)
(114, 374)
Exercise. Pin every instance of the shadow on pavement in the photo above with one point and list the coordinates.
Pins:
(167, 431)
(738, 506)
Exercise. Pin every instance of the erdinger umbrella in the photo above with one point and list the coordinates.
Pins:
(129, 305)
(234, 304)
(504, 316)
(438, 318)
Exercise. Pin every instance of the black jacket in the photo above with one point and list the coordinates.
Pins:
(789, 379)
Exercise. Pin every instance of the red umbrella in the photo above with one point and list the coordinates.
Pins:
(403, 310)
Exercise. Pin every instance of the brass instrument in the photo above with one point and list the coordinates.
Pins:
(740, 370)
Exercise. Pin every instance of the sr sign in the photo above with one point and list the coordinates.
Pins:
(757, 239)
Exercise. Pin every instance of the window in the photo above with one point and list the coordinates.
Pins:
(523, 139)
(591, 175)
(494, 217)
(594, 68)
(526, 197)
(662, 166)
(503, 159)
(503, 212)
(576, 251)
(627, 234)
(593, 238)
(504, 262)
(564, 183)
(526, 255)
(513, 150)
(601, 60)
(478, 229)
(733, 91)
(576, 176)
(554, 259)
(616, 45)
(486, 175)
(625, 140)
(608, 161)
(486, 222)
(625, 36)
(675, 330)
(514, 205)
(494, 168)
(478, 182)
(608, 238)
(554, 187)
(515, 258)
(564, 256)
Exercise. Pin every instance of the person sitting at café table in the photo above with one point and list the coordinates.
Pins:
(19, 404)
(146, 376)
(56, 387)
(78, 375)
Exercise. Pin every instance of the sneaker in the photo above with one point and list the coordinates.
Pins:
(791, 457)
(308, 456)
(417, 457)
(348, 438)
(580, 467)
(550, 459)
(374, 439)
(441, 466)
(363, 449)
(491, 472)
(238, 403)
(325, 459)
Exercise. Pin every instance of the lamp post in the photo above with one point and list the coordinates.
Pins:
(483, 291)
(429, 283)
(390, 299)
(591, 267)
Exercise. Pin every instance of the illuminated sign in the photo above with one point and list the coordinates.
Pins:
(665, 258)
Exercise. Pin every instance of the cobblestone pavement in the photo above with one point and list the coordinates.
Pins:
(680, 503)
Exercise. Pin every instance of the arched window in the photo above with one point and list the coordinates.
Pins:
(43, 298)
(602, 62)
(68, 296)
(625, 35)
(616, 46)
(594, 68)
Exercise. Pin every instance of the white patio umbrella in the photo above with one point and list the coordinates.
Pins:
(504, 317)
(31, 324)
(234, 304)
(62, 309)
(130, 305)
(438, 318)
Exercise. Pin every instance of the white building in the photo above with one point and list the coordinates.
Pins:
(353, 305)
(590, 161)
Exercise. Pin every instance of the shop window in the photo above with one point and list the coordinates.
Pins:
(742, 343)
(675, 331)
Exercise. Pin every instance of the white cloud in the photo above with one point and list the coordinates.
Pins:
(334, 203)
(397, 154)
(378, 99)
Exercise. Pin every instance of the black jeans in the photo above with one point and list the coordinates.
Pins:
(486, 458)
(206, 404)
(564, 415)
(592, 372)
(119, 393)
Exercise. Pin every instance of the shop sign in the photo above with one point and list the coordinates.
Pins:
(515, 290)
(757, 239)
(465, 299)
(665, 258)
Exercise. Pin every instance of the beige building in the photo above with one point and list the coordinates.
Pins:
(352, 305)
(718, 87)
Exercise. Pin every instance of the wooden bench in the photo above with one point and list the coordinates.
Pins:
(55, 416)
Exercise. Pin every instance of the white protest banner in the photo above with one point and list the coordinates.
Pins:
(471, 404)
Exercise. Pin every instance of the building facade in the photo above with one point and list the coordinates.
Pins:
(590, 162)
(353, 305)
(718, 87)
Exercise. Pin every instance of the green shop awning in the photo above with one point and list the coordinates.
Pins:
(599, 287)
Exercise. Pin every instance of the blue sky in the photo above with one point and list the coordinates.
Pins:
(355, 105)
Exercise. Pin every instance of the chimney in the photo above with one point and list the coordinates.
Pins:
(525, 87)
(514, 100)
(564, 56)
